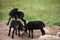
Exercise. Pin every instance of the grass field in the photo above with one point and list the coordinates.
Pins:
(44, 10)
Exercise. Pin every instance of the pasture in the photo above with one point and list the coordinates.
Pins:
(44, 10)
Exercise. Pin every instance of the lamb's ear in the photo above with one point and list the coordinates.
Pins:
(26, 21)
(46, 30)
(18, 10)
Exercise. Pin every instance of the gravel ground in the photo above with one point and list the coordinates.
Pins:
(37, 33)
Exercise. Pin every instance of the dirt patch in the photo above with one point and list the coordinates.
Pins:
(37, 33)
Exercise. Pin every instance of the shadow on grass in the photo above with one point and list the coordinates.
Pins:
(57, 23)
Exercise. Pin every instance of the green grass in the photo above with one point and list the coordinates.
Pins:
(44, 10)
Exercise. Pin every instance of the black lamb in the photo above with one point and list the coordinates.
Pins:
(17, 26)
(33, 25)
(17, 15)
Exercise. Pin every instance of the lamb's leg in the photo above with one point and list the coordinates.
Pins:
(29, 33)
(43, 31)
(18, 32)
(9, 31)
(13, 34)
(8, 20)
(32, 33)
(25, 30)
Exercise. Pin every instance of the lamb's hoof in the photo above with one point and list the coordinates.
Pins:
(8, 34)
(16, 33)
(29, 36)
(22, 34)
(12, 37)
(7, 24)
(19, 35)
